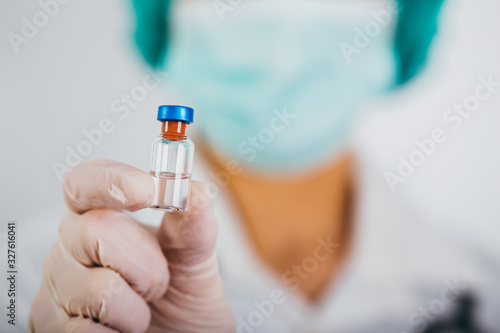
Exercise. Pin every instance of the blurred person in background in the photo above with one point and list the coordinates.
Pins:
(277, 87)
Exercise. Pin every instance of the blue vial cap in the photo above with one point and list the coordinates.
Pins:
(175, 113)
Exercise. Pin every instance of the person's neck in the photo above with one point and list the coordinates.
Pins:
(287, 219)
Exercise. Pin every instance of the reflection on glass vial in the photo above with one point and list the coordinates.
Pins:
(172, 159)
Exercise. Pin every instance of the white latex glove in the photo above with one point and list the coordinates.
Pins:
(107, 273)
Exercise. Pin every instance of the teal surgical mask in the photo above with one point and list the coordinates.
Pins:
(271, 81)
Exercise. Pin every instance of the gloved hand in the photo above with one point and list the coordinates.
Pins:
(108, 273)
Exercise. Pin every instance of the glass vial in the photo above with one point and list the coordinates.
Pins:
(172, 159)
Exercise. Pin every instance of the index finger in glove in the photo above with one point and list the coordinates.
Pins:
(101, 183)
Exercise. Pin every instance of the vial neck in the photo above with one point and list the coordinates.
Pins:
(173, 130)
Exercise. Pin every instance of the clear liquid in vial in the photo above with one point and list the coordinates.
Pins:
(172, 191)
